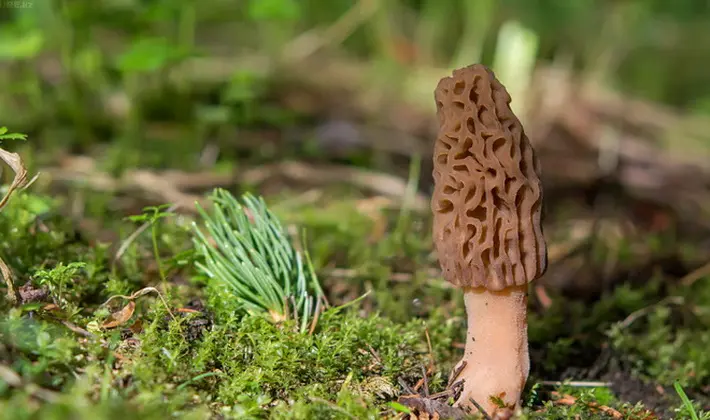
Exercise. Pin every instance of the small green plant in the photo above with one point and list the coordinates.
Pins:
(247, 250)
(4, 135)
(58, 280)
(151, 215)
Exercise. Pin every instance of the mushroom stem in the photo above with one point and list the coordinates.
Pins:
(496, 351)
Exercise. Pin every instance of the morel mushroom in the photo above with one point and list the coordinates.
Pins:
(487, 205)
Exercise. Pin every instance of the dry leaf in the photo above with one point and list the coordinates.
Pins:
(120, 317)
(15, 162)
(141, 292)
(137, 327)
(77, 329)
(13, 294)
(135, 295)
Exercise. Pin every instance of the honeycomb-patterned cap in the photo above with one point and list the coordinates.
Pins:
(487, 196)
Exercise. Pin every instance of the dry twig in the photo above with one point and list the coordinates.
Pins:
(19, 181)
(695, 275)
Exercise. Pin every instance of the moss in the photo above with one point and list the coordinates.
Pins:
(669, 343)
(250, 364)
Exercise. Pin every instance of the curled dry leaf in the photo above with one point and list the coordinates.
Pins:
(136, 295)
(20, 181)
(120, 317)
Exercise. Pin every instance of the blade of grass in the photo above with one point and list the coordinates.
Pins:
(686, 401)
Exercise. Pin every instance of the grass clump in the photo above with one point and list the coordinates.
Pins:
(249, 252)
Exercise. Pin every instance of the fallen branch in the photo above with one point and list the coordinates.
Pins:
(695, 275)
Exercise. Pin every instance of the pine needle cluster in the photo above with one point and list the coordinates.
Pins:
(246, 249)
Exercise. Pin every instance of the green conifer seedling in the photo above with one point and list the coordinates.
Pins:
(246, 249)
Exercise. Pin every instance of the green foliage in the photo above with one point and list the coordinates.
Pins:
(77, 403)
(148, 55)
(4, 135)
(151, 37)
(274, 10)
(254, 260)
(16, 45)
(59, 280)
(41, 352)
(250, 367)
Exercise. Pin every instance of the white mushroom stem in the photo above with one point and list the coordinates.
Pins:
(496, 352)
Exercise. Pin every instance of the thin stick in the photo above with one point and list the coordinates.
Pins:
(578, 384)
(426, 382)
(310, 42)
(480, 409)
(406, 387)
(676, 300)
(456, 372)
(140, 293)
(316, 315)
(696, 275)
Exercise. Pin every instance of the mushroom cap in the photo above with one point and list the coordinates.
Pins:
(487, 196)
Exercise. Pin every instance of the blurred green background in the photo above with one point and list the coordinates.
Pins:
(157, 81)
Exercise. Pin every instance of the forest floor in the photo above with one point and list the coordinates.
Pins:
(116, 319)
